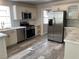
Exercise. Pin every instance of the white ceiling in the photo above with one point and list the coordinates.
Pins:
(36, 1)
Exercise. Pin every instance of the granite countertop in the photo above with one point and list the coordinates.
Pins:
(2, 35)
(73, 35)
(12, 28)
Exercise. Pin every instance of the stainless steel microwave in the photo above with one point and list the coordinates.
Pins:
(26, 15)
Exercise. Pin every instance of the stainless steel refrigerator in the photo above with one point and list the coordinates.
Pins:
(56, 26)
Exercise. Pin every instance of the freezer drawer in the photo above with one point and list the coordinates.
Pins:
(55, 37)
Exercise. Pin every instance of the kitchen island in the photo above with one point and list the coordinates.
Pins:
(3, 52)
(72, 43)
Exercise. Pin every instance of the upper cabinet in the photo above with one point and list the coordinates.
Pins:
(17, 12)
(73, 12)
(33, 11)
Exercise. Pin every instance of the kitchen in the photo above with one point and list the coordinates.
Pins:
(36, 21)
(14, 30)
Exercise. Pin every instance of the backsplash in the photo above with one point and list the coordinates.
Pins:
(70, 23)
(73, 23)
(15, 23)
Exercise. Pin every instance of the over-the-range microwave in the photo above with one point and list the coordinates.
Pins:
(26, 15)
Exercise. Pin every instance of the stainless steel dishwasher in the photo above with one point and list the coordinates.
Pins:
(20, 35)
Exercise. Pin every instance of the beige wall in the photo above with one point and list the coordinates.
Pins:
(63, 5)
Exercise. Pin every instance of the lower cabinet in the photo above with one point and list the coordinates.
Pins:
(14, 36)
(71, 50)
(37, 30)
(11, 38)
(3, 52)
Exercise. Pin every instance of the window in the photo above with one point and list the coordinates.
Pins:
(45, 17)
(5, 20)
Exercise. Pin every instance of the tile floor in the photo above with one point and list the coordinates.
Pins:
(37, 48)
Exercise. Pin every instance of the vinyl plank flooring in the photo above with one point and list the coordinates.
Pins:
(37, 48)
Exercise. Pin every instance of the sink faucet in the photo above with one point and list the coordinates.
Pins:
(2, 25)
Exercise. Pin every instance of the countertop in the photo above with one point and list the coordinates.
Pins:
(73, 35)
(12, 28)
(2, 35)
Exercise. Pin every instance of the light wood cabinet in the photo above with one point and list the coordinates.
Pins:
(73, 12)
(3, 52)
(14, 36)
(71, 50)
(11, 38)
(17, 11)
(37, 30)
(34, 13)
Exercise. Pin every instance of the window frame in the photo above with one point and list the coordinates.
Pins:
(6, 16)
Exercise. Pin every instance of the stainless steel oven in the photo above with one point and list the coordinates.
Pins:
(29, 31)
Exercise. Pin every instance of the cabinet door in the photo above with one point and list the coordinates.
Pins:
(3, 52)
(37, 30)
(33, 12)
(12, 37)
(17, 11)
(71, 50)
